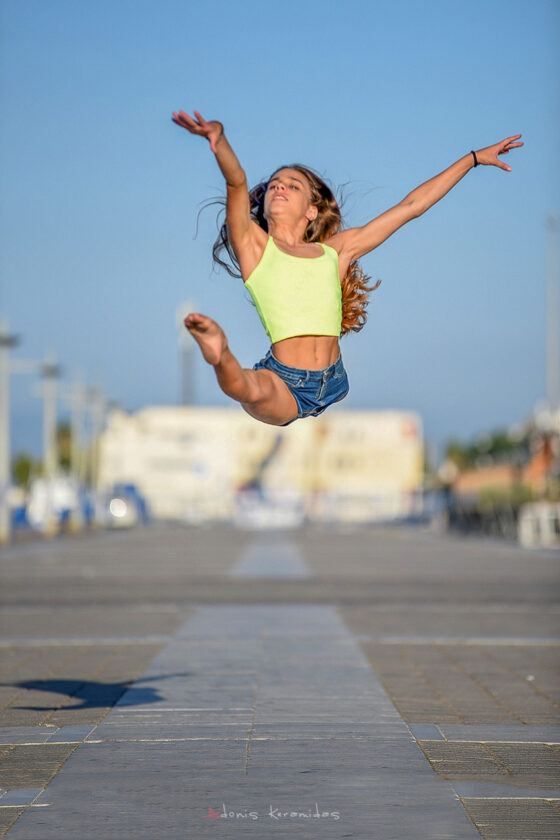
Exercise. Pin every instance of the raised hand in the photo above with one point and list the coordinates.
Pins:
(212, 130)
(489, 155)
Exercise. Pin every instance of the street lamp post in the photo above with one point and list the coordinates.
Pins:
(75, 396)
(7, 341)
(98, 406)
(553, 309)
(50, 372)
(77, 403)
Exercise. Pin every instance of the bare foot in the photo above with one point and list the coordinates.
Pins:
(209, 335)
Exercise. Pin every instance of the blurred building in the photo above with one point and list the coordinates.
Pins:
(195, 463)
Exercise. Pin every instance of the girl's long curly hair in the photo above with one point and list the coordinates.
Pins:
(355, 290)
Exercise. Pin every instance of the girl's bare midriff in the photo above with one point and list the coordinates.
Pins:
(307, 352)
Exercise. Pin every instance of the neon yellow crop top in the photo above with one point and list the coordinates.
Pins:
(297, 295)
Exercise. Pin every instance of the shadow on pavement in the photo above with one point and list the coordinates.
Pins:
(93, 694)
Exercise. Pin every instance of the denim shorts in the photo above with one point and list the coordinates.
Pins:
(313, 390)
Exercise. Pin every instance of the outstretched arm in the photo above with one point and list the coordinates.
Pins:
(237, 204)
(356, 242)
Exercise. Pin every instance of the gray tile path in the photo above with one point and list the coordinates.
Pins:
(269, 711)
(274, 698)
(265, 559)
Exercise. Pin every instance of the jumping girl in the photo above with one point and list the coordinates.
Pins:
(301, 270)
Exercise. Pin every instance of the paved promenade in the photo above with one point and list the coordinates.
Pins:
(377, 684)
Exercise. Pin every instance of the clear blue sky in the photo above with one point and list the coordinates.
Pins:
(100, 190)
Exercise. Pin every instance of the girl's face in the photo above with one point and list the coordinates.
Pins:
(288, 195)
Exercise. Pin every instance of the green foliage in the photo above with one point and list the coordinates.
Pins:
(24, 467)
(498, 446)
(459, 454)
(64, 444)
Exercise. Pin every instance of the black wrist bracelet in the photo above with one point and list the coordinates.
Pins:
(474, 156)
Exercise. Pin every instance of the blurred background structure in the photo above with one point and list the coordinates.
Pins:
(218, 464)
(104, 253)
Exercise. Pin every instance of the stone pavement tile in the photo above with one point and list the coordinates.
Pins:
(463, 689)
(512, 733)
(169, 732)
(327, 730)
(119, 569)
(8, 816)
(412, 692)
(540, 666)
(502, 673)
(537, 764)
(502, 789)
(270, 558)
(26, 734)
(116, 556)
(511, 819)
(445, 684)
(426, 732)
(414, 553)
(497, 770)
(460, 620)
(101, 677)
(125, 715)
(68, 621)
(299, 655)
(68, 686)
(117, 790)
(242, 621)
(17, 798)
(335, 710)
(18, 663)
(30, 766)
(370, 755)
(71, 734)
(419, 576)
(463, 761)
(13, 803)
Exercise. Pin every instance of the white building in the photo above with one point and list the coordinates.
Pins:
(192, 462)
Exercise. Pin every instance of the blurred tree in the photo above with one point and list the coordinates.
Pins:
(24, 467)
(459, 454)
(490, 448)
(498, 446)
(64, 444)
